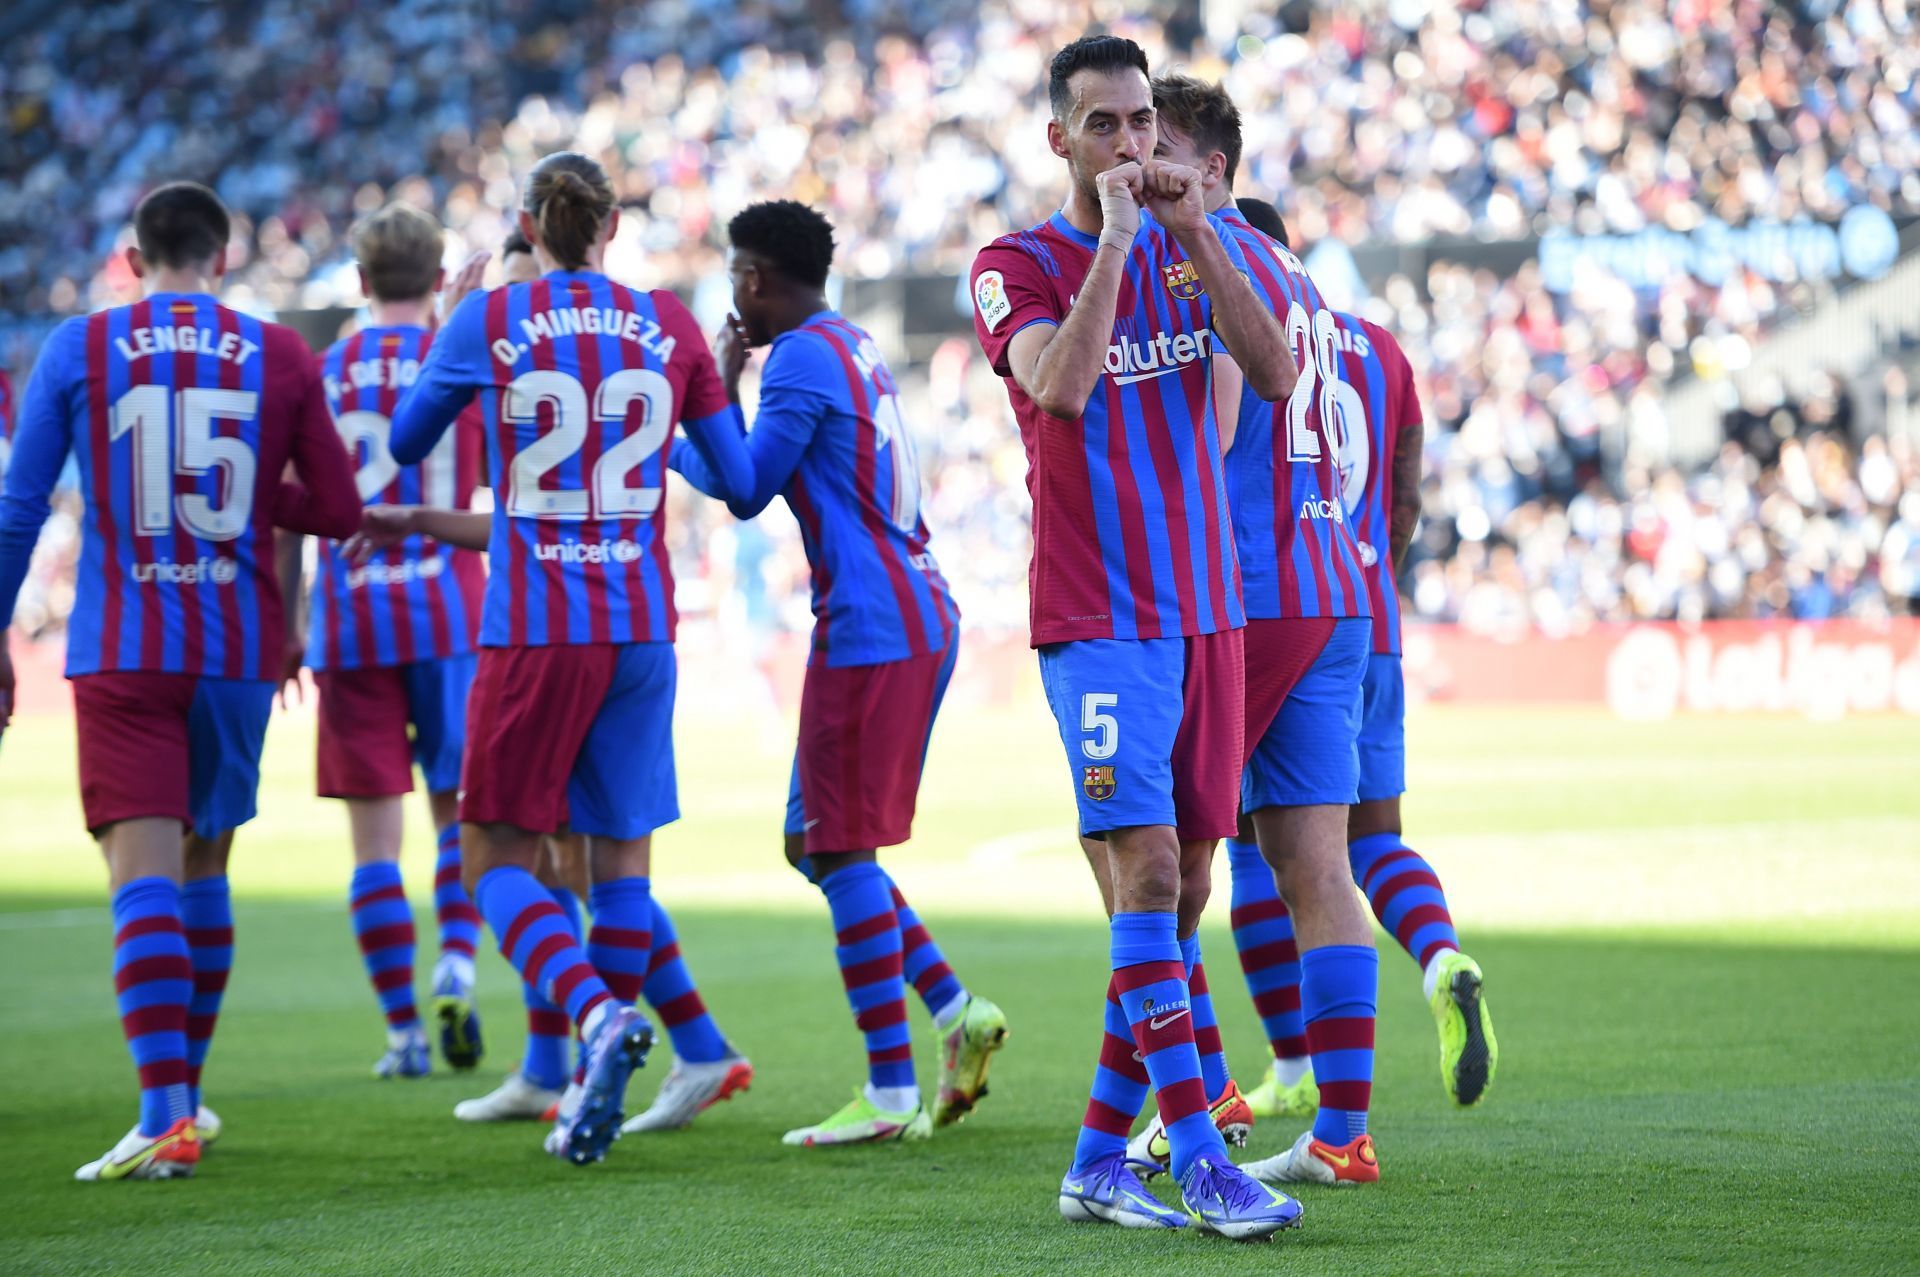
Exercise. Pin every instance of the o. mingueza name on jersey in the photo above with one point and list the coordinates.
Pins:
(586, 321)
(143, 343)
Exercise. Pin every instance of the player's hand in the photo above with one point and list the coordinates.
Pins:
(293, 655)
(730, 354)
(381, 527)
(1120, 190)
(1176, 195)
(464, 281)
(6, 681)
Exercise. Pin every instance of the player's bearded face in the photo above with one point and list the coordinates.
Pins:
(1112, 124)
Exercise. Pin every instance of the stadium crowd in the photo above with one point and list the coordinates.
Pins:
(913, 128)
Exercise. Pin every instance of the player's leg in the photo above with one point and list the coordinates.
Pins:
(153, 984)
(437, 705)
(533, 1089)
(1270, 962)
(206, 911)
(621, 788)
(846, 762)
(1206, 753)
(1405, 893)
(706, 1069)
(970, 1028)
(1150, 707)
(384, 929)
(226, 731)
(511, 793)
(363, 758)
(1298, 783)
(1277, 657)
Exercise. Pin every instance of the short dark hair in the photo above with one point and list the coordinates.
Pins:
(1204, 112)
(181, 224)
(516, 242)
(1265, 218)
(1106, 53)
(797, 241)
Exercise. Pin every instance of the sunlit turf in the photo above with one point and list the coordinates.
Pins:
(1701, 942)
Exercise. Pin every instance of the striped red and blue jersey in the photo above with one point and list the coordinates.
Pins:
(829, 435)
(1298, 556)
(580, 381)
(419, 600)
(6, 421)
(1132, 537)
(1380, 401)
(182, 416)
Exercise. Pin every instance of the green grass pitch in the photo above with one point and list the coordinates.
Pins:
(1702, 943)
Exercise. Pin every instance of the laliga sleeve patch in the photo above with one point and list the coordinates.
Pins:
(990, 295)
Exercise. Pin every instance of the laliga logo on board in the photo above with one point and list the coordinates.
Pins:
(1654, 671)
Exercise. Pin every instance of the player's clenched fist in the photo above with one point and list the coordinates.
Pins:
(1120, 189)
(1175, 194)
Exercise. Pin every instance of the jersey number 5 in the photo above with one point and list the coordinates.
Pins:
(608, 495)
(173, 434)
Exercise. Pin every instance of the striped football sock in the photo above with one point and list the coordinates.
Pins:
(548, 1028)
(1150, 981)
(621, 938)
(924, 967)
(1338, 986)
(1206, 1029)
(206, 911)
(535, 938)
(670, 991)
(1405, 894)
(153, 982)
(459, 920)
(1263, 933)
(868, 949)
(383, 924)
(1120, 1086)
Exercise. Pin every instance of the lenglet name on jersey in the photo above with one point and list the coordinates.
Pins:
(1131, 361)
(168, 340)
(586, 321)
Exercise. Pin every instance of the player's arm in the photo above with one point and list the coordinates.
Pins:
(1249, 328)
(323, 500)
(1059, 367)
(1229, 386)
(709, 416)
(792, 403)
(382, 526)
(289, 566)
(455, 366)
(1403, 515)
(41, 442)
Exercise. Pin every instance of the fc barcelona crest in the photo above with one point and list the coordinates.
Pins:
(1183, 280)
(1098, 782)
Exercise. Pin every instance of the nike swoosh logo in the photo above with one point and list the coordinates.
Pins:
(1157, 1024)
(1146, 376)
(810, 824)
(1073, 1188)
(1339, 1160)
